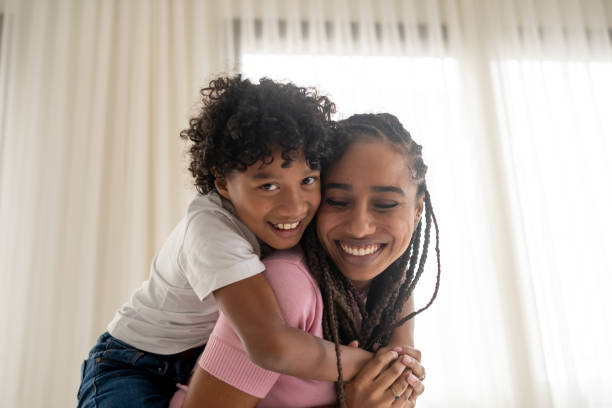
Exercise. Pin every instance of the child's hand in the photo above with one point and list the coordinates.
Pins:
(384, 382)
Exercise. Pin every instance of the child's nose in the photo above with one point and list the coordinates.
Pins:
(293, 204)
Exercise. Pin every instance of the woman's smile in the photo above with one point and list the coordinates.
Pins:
(360, 249)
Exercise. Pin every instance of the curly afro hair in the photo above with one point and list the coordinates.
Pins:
(241, 121)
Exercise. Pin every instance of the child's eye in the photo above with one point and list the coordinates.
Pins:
(268, 187)
(310, 180)
(336, 203)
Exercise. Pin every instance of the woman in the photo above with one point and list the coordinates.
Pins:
(366, 266)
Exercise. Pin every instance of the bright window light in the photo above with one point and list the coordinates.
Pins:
(359, 84)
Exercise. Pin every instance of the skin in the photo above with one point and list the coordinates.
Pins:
(366, 216)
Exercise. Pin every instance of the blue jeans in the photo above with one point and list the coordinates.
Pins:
(118, 375)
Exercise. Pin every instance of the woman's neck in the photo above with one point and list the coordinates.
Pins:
(362, 286)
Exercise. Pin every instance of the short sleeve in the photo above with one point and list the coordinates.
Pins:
(295, 291)
(224, 356)
(217, 252)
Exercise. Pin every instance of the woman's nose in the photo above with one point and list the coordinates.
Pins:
(360, 222)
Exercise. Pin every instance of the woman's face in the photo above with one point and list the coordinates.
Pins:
(368, 210)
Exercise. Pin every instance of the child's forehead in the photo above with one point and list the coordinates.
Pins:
(284, 163)
(278, 166)
(279, 158)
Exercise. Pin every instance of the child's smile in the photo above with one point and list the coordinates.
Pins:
(276, 201)
(287, 229)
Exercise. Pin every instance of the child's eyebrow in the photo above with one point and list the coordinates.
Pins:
(263, 175)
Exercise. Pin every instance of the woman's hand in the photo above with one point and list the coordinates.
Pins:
(412, 359)
(387, 380)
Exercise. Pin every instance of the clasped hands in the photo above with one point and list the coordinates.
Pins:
(393, 378)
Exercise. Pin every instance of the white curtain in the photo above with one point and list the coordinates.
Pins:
(510, 99)
(92, 175)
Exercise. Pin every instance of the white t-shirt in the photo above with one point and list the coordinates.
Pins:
(174, 310)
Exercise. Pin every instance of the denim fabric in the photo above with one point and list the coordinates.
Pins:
(118, 375)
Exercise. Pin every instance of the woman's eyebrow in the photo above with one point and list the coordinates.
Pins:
(388, 189)
(339, 186)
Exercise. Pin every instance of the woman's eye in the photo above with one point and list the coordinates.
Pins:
(336, 203)
(310, 180)
(385, 206)
(269, 187)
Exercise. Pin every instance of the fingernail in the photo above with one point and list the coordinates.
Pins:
(412, 379)
(398, 349)
(407, 360)
(395, 355)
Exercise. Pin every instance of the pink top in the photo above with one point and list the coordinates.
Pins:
(300, 301)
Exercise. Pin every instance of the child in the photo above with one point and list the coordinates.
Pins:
(255, 150)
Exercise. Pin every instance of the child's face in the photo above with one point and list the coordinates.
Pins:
(276, 203)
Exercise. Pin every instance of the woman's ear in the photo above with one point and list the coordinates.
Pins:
(419, 209)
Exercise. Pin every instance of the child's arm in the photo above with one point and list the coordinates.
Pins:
(404, 335)
(251, 307)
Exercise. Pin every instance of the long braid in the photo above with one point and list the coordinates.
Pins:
(322, 270)
(319, 267)
(407, 292)
(391, 289)
(429, 208)
(333, 325)
(383, 291)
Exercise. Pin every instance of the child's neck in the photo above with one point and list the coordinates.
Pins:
(265, 248)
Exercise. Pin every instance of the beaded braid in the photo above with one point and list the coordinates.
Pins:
(391, 289)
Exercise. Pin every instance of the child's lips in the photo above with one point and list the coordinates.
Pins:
(288, 228)
(287, 225)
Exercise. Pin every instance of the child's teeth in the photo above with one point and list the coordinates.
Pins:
(360, 251)
(287, 226)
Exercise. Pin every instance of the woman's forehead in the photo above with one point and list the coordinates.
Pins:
(371, 160)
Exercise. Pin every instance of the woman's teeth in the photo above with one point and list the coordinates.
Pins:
(360, 251)
(286, 226)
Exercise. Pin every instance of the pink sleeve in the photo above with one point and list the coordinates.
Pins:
(224, 356)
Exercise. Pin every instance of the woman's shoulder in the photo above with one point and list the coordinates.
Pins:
(293, 255)
(296, 291)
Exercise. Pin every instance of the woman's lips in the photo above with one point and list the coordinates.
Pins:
(359, 250)
(359, 253)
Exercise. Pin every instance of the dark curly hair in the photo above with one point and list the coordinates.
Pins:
(241, 121)
(391, 289)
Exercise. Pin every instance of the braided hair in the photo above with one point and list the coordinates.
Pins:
(390, 290)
